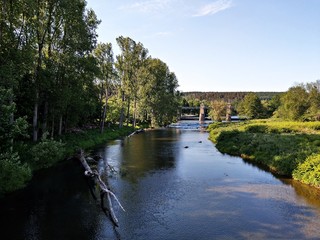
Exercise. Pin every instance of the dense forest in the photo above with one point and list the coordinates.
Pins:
(55, 77)
(227, 96)
(300, 103)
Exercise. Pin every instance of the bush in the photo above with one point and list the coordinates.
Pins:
(309, 171)
(13, 174)
(46, 153)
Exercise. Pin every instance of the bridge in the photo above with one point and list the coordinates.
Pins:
(202, 113)
(195, 113)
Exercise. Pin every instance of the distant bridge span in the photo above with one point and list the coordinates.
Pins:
(194, 108)
(202, 113)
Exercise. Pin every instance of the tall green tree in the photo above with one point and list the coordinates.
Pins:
(159, 97)
(218, 109)
(313, 112)
(64, 33)
(251, 106)
(294, 104)
(130, 64)
(13, 174)
(106, 78)
(125, 70)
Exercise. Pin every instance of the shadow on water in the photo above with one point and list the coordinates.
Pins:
(137, 159)
(57, 204)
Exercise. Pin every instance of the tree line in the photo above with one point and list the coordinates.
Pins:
(55, 76)
(300, 103)
(225, 96)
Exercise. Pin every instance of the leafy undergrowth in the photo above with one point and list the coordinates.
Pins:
(286, 148)
(91, 138)
(14, 174)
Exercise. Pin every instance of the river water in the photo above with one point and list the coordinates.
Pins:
(173, 184)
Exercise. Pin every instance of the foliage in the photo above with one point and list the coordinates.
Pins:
(106, 78)
(10, 128)
(225, 96)
(309, 171)
(159, 98)
(294, 104)
(13, 174)
(92, 137)
(147, 88)
(46, 153)
(251, 106)
(313, 112)
(218, 108)
(270, 106)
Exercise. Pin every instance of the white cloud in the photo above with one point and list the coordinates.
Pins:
(148, 6)
(213, 8)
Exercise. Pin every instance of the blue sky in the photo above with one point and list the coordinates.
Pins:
(222, 45)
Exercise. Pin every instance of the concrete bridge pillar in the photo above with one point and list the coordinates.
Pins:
(228, 114)
(202, 114)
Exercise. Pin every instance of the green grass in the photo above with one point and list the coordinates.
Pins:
(91, 138)
(284, 147)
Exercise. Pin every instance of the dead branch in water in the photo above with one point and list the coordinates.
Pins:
(104, 189)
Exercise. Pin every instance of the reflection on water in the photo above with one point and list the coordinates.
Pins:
(169, 192)
(137, 158)
(309, 194)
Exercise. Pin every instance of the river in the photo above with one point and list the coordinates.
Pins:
(173, 184)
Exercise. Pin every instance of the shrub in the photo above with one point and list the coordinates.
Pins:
(309, 171)
(46, 153)
(13, 174)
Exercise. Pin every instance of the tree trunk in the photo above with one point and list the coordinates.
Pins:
(104, 112)
(100, 101)
(60, 126)
(135, 113)
(3, 11)
(122, 111)
(128, 112)
(45, 116)
(35, 118)
(52, 126)
(11, 121)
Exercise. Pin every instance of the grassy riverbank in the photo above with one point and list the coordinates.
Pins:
(61, 148)
(48, 152)
(286, 148)
(90, 138)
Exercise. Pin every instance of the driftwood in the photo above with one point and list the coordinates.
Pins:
(136, 132)
(104, 189)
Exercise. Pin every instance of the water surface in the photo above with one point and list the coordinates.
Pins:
(173, 184)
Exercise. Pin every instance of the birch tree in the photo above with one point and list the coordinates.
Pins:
(104, 55)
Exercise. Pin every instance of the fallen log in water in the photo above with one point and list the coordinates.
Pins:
(104, 189)
(136, 132)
